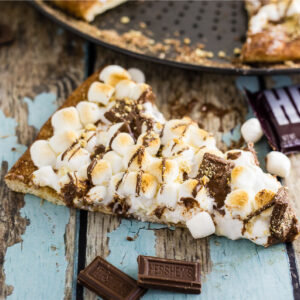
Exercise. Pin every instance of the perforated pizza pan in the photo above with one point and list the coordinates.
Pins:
(218, 25)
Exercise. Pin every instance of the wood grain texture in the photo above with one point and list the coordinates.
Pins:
(42, 59)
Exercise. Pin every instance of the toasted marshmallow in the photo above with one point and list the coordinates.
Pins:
(45, 176)
(125, 89)
(100, 92)
(168, 195)
(137, 75)
(137, 158)
(113, 74)
(205, 201)
(165, 170)
(251, 131)
(151, 141)
(115, 161)
(42, 154)
(241, 158)
(177, 147)
(89, 112)
(263, 198)
(201, 225)
(175, 129)
(101, 172)
(198, 137)
(122, 142)
(60, 141)
(65, 119)
(111, 133)
(188, 189)
(96, 195)
(148, 186)
(278, 164)
(129, 184)
(114, 185)
(91, 140)
(74, 159)
(238, 203)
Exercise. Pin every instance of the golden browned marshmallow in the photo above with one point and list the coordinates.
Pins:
(122, 143)
(60, 141)
(101, 172)
(66, 118)
(96, 195)
(137, 158)
(115, 161)
(89, 112)
(263, 197)
(113, 74)
(238, 203)
(100, 92)
(150, 140)
(165, 170)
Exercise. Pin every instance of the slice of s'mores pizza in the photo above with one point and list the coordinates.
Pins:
(86, 9)
(109, 149)
(273, 31)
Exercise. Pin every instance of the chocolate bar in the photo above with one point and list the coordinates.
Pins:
(109, 282)
(169, 274)
(278, 111)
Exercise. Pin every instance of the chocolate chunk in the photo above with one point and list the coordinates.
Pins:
(189, 202)
(218, 170)
(233, 155)
(278, 111)
(169, 274)
(284, 225)
(109, 282)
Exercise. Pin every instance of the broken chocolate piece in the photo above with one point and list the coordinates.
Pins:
(109, 282)
(278, 111)
(169, 274)
(218, 170)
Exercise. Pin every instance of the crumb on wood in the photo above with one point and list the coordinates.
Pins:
(129, 238)
(236, 51)
(125, 20)
(222, 54)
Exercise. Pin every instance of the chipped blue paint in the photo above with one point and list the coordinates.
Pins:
(36, 268)
(40, 109)
(232, 135)
(10, 149)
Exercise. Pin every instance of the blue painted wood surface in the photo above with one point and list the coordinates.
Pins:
(240, 269)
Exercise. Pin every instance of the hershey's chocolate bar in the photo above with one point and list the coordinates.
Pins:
(109, 282)
(278, 111)
(169, 274)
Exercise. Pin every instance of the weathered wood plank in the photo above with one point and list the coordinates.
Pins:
(216, 102)
(37, 72)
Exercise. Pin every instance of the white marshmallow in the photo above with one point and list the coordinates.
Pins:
(100, 92)
(113, 74)
(115, 161)
(187, 188)
(151, 111)
(91, 139)
(42, 154)
(168, 195)
(111, 132)
(102, 138)
(138, 90)
(201, 225)
(96, 194)
(60, 141)
(206, 202)
(128, 186)
(45, 176)
(278, 164)
(65, 119)
(151, 141)
(74, 159)
(89, 112)
(227, 226)
(122, 142)
(101, 173)
(137, 75)
(251, 131)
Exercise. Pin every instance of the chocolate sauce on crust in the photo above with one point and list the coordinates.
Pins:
(218, 170)
(189, 202)
(158, 212)
(233, 155)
